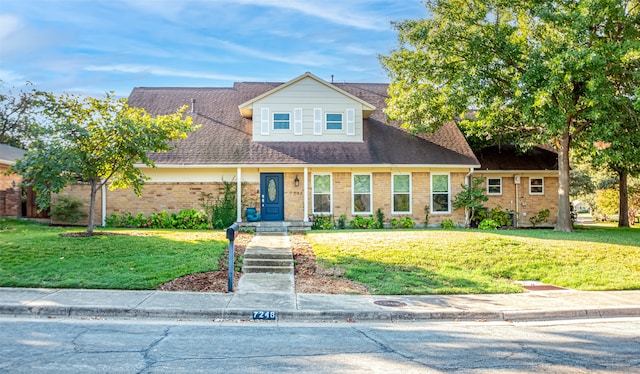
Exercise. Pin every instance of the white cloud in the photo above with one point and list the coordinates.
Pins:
(11, 78)
(9, 24)
(159, 71)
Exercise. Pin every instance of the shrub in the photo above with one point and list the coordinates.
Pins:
(361, 222)
(541, 217)
(489, 224)
(379, 219)
(448, 224)
(342, 222)
(501, 216)
(67, 209)
(322, 223)
(403, 223)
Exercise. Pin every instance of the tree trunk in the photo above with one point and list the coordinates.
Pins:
(623, 211)
(563, 222)
(92, 205)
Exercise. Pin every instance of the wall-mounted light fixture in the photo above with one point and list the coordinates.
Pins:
(296, 181)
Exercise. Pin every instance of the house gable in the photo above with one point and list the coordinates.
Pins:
(307, 109)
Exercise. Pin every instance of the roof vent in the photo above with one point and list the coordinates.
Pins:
(193, 106)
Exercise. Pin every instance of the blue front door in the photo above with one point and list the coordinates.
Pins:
(272, 196)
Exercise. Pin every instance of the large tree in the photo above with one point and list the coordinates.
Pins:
(16, 116)
(95, 141)
(545, 70)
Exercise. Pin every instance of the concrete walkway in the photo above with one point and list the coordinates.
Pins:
(276, 293)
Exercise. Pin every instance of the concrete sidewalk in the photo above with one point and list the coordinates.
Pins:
(544, 305)
(276, 293)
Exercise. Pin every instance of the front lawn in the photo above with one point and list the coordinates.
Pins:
(471, 261)
(35, 255)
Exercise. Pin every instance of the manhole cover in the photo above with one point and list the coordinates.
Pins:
(390, 303)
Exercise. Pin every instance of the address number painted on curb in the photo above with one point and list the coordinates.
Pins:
(264, 314)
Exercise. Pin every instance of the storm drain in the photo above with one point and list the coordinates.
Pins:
(392, 303)
(539, 286)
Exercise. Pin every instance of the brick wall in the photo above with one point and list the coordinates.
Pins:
(10, 196)
(523, 202)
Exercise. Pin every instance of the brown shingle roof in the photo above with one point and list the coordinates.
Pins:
(225, 136)
(507, 157)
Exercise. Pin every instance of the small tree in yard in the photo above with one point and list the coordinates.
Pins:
(95, 141)
(471, 199)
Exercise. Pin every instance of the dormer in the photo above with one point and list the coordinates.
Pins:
(307, 109)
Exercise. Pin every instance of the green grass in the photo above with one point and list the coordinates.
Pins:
(470, 261)
(34, 255)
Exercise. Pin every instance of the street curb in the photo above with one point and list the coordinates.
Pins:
(318, 315)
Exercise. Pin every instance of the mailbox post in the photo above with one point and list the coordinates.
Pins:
(232, 232)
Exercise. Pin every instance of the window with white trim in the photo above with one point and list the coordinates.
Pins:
(321, 190)
(536, 186)
(333, 121)
(401, 191)
(361, 193)
(494, 186)
(281, 121)
(440, 193)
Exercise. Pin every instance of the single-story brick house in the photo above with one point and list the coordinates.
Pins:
(302, 148)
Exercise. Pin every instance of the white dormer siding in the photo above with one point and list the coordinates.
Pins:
(319, 112)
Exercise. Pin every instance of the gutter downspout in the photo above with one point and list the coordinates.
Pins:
(466, 210)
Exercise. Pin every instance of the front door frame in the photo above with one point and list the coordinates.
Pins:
(272, 204)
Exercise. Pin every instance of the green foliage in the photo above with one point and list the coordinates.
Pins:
(185, 219)
(426, 215)
(471, 197)
(489, 224)
(607, 201)
(403, 223)
(361, 222)
(379, 219)
(67, 209)
(17, 122)
(448, 224)
(549, 72)
(322, 222)
(342, 222)
(502, 217)
(97, 141)
(539, 218)
(222, 211)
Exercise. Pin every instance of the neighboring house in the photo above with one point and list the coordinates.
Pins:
(301, 148)
(10, 193)
(521, 183)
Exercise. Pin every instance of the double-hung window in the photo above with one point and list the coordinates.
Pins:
(281, 121)
(333, 121)
(321, 193)
(401, 193)
(494, 186)
(440, 193)
(536, 186)
(362, 193)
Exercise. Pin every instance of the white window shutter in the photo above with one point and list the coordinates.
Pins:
(317, 121)
(297, 121)
(264, 121)
(351, 122)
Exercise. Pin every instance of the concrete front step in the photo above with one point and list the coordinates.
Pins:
(267, 254)
(249, 269)
(267, 262)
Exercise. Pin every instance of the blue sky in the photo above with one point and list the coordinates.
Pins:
(90, 47)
